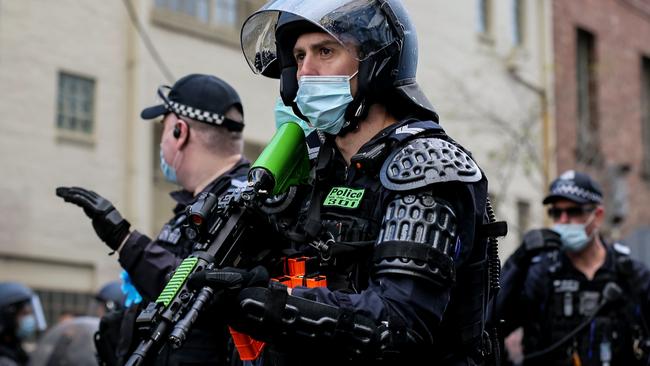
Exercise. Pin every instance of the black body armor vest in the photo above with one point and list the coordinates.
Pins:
(611, 338)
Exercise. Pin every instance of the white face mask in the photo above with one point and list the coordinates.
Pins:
(323, 100)
(574, 236)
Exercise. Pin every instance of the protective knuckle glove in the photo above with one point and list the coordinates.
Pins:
(536, 242)
(109, 225)
(230, 279)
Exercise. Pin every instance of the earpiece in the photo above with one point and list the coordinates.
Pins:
(177, 131)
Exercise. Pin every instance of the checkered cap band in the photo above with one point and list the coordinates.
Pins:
(573, 190)
(195, 113)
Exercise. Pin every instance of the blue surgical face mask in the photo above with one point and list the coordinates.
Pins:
(284, 114)
(168, 171)
(26, 327)
(574, 236)
(323, 100)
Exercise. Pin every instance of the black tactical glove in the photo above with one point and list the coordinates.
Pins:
(230, 279)
(107, 221)
(535, 242)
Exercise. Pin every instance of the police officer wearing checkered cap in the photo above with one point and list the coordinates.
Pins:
(579, 299)
(200, 150)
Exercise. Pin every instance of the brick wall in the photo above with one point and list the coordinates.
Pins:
(622, 35)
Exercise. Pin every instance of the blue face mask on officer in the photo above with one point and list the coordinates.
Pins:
(323, 100)
(574, 236)
(168, 171)
(26, 327)
(284, 114)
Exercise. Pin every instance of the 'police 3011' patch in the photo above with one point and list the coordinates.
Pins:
(344, 197)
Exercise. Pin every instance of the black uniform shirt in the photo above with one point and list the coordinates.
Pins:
(149, 261)
(556, 298)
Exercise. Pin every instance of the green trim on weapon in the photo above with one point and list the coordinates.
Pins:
(180, 275)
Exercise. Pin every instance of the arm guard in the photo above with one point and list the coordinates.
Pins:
(419, 235)
(418, 238)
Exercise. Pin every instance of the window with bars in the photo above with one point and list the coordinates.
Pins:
(214, 19)
(201, 9)
(645, 116)
(58, 304)
(484, 19)
(75, 105)
(518, 22)
(523, 218)
(587, 145)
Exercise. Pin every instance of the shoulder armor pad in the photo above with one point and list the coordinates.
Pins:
(425, 161)
(621, 249)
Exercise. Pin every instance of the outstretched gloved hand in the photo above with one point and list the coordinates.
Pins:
(110, 226)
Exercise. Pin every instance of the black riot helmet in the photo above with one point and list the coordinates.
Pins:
(13, 296)
(111, 296)
(378, 33)
(12, 293)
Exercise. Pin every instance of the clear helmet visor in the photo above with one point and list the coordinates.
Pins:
(39, 315)
(359, 25)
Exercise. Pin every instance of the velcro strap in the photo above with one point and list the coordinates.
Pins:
(493, 229)
(406, 249)
(274, 303)
(419, 252)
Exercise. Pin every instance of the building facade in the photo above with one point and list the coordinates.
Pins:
(76, 77)
(602, 108)
(485, 66)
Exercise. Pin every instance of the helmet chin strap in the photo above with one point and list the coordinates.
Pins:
(373, 75)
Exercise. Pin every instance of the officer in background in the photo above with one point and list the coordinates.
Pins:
(109, 298)
(67, 343)
(394, 218)
(580, 300)
(21, 317)
(201, 150)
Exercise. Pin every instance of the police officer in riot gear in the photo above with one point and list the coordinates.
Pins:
(580, 300)
(21, 316)
(395, 217)
(109, 298)
(201, 150)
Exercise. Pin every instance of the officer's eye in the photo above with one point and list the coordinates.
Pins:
(299, 56)
(326, 52)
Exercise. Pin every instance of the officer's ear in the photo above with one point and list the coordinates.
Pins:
(181, 133)
(599, 216)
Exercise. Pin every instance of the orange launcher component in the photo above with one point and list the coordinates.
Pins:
(249, 349)
(316, 281)
(297, 266)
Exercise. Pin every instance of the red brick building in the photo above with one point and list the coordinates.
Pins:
(602, 105)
